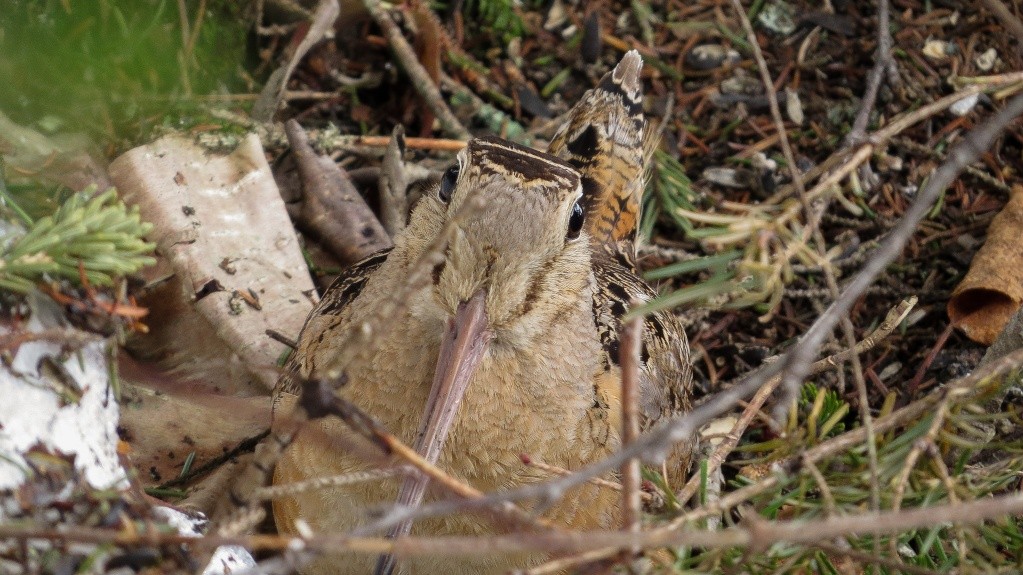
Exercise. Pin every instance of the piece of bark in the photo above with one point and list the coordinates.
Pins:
(393, 184)
(992, 290)
(55, 399)
(224, 241)
(331, 207)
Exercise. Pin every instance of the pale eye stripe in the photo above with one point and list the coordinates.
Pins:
(528, 167)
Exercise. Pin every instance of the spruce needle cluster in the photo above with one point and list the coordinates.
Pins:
(91, 235)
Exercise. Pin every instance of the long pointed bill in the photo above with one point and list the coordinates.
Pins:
(463, 346)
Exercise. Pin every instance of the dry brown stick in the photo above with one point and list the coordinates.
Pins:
(790, 383)
(772, 100)
(439, 144)
(598, 481)
(840, 164)
(946, 479)
(331, 207)
(888, 325)
(564, 564)
(822, 484)
(420, 78)
(966, 151)
(918, 448)
(882, 62)
(323, 20)
(755, 535)
(631, 340)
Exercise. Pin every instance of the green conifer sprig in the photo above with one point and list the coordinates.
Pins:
(97, 230)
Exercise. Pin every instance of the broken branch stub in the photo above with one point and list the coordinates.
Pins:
(393, 184)
(332, 208)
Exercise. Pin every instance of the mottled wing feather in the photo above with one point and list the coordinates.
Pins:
(665, 370)
(335, 301)
(667, 373)
(603, 139)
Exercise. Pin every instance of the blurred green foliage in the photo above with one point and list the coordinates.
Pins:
(105, 66)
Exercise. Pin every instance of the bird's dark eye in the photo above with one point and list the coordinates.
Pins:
(575, 222)
(447, 183)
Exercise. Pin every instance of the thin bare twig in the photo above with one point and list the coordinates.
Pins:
(437, 144)
(599, 482)
(965, 152)
(888, 325)
(882, 62)
(839, 165)
(1007, 18)
(964, 388)
(631, 340)
(756, 534)
(791, 385)
(270, 97)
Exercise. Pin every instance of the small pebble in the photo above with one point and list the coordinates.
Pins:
(793, 107)
(742, 84)
(777, 17)
(938, 49)
(964, 106)
(733, 178)
(708, 56)
(986, 61)
(556, 16)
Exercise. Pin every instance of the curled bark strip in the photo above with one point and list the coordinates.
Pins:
(992, 290)
(331, 207)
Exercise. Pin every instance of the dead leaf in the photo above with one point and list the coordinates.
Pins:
(992, 290)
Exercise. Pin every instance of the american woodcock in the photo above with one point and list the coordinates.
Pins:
(533, 274)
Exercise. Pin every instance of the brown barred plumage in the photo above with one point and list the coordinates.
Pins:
(549, 386)
(603, 139)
